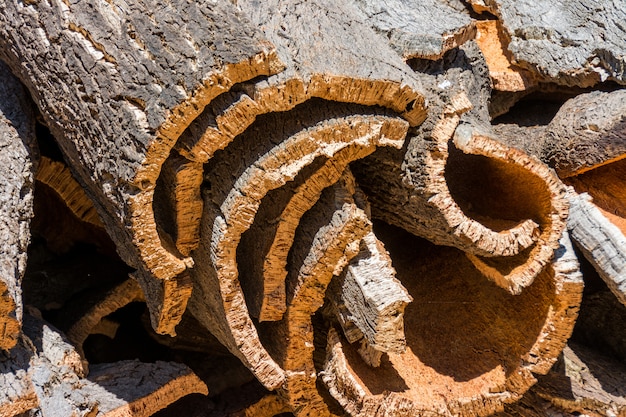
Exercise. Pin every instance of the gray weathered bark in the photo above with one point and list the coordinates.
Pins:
(117, 107)
(574, 43)
(18, 159)
(420, 29)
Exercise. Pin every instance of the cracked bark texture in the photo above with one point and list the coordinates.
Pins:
(578, 43)
(116, 106)
(18, 159)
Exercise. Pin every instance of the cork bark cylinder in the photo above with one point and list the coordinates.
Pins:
(489, 343)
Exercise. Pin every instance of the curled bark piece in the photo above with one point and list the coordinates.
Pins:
(131, 77)
(462, 195)
(601, 242)
(17, 158)
(80, 319)
(493, 43)
(238, 180)
(370, 301)
(179, 195)
(574, 43)
(585, 383)
(328, 238)
(588, 131)
(473, 370)
(456, 184)
(420, 29)
(57, 176)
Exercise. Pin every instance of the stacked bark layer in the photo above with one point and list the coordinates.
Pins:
(254, 165)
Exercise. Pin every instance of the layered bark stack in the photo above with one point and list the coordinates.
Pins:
(254, 165)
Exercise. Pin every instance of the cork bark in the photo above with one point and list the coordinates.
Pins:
(18, 159)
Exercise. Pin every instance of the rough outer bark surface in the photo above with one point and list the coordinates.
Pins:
(369, 300)
(46, 376)
(573, 43)
(321, 61)
(146, 70)
(601, 242)
(581, 383)
(18, 393)
(17, 159)
(588, 131)
(420, 29)
(431, 187)
(423, 382)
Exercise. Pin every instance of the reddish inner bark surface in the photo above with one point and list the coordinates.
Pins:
(464, 334)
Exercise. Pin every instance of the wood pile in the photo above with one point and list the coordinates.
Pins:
(360, 208)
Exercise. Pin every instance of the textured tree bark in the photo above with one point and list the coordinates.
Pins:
(369, 301)
(123, 107)
(18, 157)
(420, 29)
(46, 375)
(575, 43)
(456, 184)
(601, 242)
(589, 131)
(469, 373)
(579, 383)
(584, 142)
(241, 178)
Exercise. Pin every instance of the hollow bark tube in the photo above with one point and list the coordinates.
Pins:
(17, 164)
(455, 184)
(122, 81)
(473, 369)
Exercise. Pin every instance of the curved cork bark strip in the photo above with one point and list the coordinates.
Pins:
(57, 176)
(272, 241)
(320, 63)
(132, 388)
(270, 405)
(490, 343)
(17, 156)
(80, 319)
(269, 277)
(459, 187)
(239, 179)
(329, 237)
(539, 192)
(420, 29)
(574, 43)
(146, 71)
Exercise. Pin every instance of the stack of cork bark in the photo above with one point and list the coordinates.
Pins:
(312, 208)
